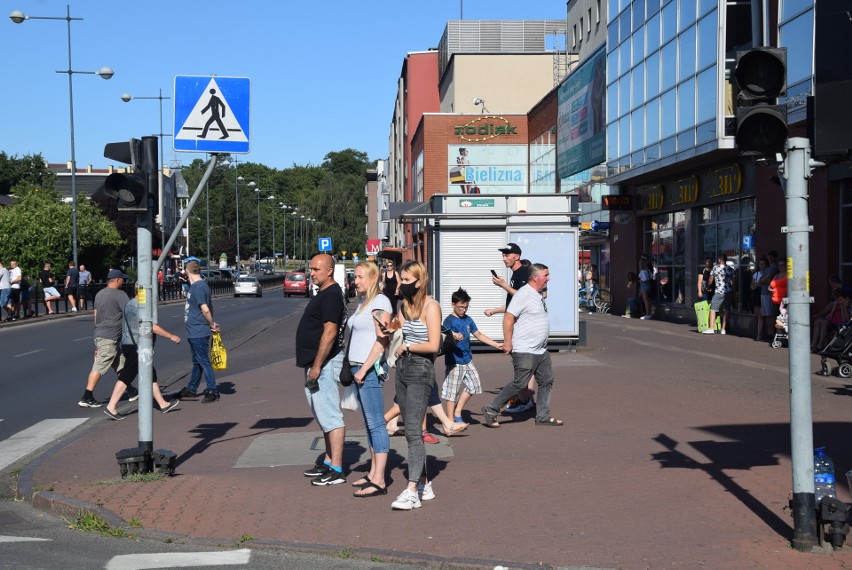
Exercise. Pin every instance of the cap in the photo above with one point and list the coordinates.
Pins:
(191, 258)
(116, 273)
(511, 248)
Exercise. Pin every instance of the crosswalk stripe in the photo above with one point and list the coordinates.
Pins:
(21, 539)
(28, 353)
(32, 438)
(178, 560)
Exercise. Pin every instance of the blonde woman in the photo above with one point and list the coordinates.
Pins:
(420, 318)
(367, 346)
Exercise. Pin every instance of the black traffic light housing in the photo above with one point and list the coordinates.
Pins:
(761, 75)
(135, 191)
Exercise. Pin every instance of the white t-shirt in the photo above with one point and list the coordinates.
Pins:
(532, 326)
(15, 274)
(362, 327)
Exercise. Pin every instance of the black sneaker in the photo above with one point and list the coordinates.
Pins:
(89, 403)
(330, 477)
(317, 470)
(132, 394)
(171, 406)
(186, 394)
(210, 397)
(116, 417)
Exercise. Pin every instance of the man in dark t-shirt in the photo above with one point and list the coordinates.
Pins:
(319, 344)
(72, 278)
(200, 326)
(48, 287)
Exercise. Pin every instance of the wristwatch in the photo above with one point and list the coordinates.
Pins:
(407, 346)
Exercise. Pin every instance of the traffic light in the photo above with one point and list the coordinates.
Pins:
(132, 190)
(761, 75)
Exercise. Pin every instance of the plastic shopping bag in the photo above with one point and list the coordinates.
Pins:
(218, 354)
(349, 400)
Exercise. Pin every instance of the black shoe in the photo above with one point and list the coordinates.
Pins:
(330, 477)
(132, 394)
(186, 394)
(89, 403)
(171, 406)
(116, 417)
(210, 397)
(317, 470)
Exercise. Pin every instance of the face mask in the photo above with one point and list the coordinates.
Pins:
(408, 290)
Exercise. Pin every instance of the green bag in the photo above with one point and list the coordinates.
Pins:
(702, 314)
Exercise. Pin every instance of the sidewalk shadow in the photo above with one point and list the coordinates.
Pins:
(845, 390)
(722, 456)
(226, 388)
(207, 434)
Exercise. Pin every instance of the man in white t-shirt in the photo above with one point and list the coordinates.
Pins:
(15, 298)
(526, 328)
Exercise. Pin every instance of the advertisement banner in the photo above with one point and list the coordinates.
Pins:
(487, 169)
(581, 120)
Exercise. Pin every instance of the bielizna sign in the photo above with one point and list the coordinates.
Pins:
(487, 169)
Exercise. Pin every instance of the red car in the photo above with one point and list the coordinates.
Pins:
(295, 283)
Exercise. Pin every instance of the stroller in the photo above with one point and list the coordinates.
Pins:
(781, 329)
(840, 349)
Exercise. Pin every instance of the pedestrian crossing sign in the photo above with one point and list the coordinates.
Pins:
(211, 114)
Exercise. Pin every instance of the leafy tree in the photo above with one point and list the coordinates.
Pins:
(31, 168)
(36, 230)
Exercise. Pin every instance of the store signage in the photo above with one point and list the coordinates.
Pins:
(687, 190)
(652, 197)
(616, 202)
(477, 203)
(585, 225)
(622, 218)
(600, 226)
(485, 128)
(725, 181)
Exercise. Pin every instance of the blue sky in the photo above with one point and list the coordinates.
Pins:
(323, 73)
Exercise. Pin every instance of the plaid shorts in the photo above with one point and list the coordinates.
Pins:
(457, 374)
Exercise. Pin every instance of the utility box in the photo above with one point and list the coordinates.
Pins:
(466, 233)
(134, 460)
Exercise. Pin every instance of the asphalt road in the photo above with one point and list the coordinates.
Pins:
(45, 363)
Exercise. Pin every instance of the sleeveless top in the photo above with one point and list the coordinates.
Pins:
(414, 331)
(389, 290)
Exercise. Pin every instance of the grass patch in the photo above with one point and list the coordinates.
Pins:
(136, 478)
(90, 522)
(347, 553)
(135, 523)
(247, 538)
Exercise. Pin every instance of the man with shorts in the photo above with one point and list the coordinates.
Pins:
(109, 316)
(15, 294)
(72, 278)
(319, 350)
(48, 287)
(5, 290)
(722, 280)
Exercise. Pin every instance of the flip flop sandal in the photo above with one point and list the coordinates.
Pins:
(455, 430)
(490, 419)
(550, 422)
(361, 482)
(370, 485)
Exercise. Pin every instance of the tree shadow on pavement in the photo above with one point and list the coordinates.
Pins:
(207, 434)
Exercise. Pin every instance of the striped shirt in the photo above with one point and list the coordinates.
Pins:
(532, 326)
(415, 331)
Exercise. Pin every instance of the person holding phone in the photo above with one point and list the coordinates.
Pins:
(367, 344)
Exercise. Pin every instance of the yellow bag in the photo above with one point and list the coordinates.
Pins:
(218, 354)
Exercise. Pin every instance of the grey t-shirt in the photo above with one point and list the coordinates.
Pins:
(109, 313)
(4, 279)
(532, 326)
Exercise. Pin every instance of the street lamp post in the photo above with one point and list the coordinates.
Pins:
(237, 181)
(284, 207)
(295, 214)
(257, 256)
(19, 17)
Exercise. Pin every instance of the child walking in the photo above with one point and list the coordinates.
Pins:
(460, 368)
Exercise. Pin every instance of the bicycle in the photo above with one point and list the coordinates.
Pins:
(600, 301)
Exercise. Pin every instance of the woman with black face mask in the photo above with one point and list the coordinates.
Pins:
(420, 317)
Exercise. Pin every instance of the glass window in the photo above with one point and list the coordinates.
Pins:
(707, 40)
(612, 9)
(612, 66)
(668, 103)
(638, 13)
(705, 132)
(653, 7)
(612, 141)
(652, 75)
(790, 8)
(638, 47)
(687, 14)
(668, 147)
(652, 33)
(652, 152)
(686, 140)
(686, 47)
(706, 95)
(624, 26)
(685, 106)
(638, 85)
(624, 136)
(612, 102)
(612, 36)
(624, 95)
(669, 21)
(798, 37)
(623, 58)
(704, 5)
(669, 65)
(652, 121)
(637, 126)
(637, 159)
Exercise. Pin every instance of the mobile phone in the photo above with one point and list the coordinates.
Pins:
(494, 273)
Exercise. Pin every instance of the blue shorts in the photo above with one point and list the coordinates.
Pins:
(4, 296)
(645, 287)
(325, 402)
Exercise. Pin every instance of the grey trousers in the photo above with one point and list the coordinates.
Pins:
(526, 365)
(415, 376)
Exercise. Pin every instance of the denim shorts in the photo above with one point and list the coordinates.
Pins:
(325, 402)
(4, 296)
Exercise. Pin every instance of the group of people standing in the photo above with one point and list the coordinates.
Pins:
(16, 294)
(407, 333)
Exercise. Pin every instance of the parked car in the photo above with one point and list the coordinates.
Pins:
(295, 283)
(247, 286)
(211, 274)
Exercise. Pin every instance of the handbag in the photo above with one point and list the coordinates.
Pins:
(218, 354)
(346, 377)
(448, 342)
(395, 342)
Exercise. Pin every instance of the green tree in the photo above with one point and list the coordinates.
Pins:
(36, 229)
(29, 169)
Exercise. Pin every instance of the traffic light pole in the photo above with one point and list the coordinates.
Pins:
(796, 171)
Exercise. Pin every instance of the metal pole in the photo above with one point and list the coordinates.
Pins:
(73, 153)
(274, 259)
(257, 257)
(284, 234)
(237, 201)
(207, 212)
(796, 171)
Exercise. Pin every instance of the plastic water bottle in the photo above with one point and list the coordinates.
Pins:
(823, 476)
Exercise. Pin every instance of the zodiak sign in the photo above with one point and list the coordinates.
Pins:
(485, 128)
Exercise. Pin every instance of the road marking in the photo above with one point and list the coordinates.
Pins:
(178, 560)
(82, 338)
(34, 437)
(21, 539)
(28, 353)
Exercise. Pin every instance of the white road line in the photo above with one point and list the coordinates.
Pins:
(32, 438)
(82, 338)
(28, 353)
(178, 560)
(21, 539)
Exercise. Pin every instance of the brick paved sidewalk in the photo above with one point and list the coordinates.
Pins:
(675, 454)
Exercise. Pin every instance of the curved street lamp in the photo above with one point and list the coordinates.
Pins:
(19, 17)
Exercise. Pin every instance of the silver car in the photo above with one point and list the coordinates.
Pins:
(247, 286)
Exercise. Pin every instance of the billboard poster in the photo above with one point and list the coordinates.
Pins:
(581, 120)
(487, 169)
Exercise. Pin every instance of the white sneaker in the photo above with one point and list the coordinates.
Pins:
(722, 332)
(73, 309)
(425, 491)
(627, 316)
(708, 331)
(406, 501)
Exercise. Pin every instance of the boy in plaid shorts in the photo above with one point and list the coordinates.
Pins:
(460, 368)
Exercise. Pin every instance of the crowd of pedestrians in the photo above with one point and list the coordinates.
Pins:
(19, 296)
